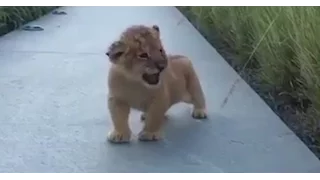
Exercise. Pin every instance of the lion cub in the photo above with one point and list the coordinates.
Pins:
(142, 76)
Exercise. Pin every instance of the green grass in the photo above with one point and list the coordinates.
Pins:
(12, 17)
(277, 50)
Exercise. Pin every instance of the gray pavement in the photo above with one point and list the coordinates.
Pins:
(54, 114)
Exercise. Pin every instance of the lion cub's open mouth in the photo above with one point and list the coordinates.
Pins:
(152, 79)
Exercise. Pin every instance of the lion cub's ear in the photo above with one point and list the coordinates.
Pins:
(115, 51)
(156, 27)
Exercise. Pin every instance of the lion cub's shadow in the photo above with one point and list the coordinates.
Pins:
(179, 125)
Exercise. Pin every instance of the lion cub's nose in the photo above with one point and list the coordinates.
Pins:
(161, 65)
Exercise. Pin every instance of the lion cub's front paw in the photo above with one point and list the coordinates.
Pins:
(199, 114)
(117, 137)
(149, 136)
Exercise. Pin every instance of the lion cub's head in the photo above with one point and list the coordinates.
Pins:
(140, 53)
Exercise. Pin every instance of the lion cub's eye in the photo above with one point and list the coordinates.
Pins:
(161, 50)
(143, 55)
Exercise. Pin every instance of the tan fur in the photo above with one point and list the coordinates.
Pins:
(139, 51)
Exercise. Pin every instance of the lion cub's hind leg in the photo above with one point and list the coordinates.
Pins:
(119, 112)
(197, 95)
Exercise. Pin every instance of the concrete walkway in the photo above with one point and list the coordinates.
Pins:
(54, 114)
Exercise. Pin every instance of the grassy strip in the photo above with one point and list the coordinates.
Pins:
(12, 17)
(277, 51)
